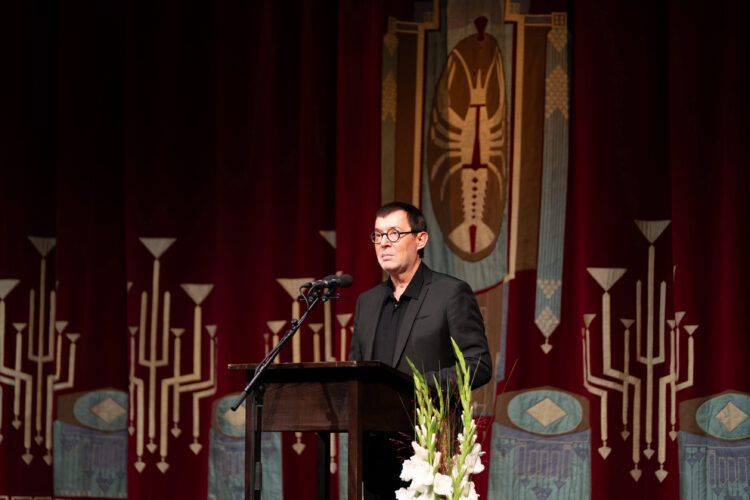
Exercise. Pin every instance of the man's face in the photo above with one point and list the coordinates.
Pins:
(398, 257)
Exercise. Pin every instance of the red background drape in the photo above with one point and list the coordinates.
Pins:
(244, 129)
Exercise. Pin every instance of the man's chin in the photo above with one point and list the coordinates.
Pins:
(388, 267)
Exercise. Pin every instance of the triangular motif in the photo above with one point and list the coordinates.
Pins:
(606, 276)
(636, 473)
(42, 244)
(197, 292)
(343, 319)
(157, 246)
(292, 285)
(275, 326)
(661, 474)
(678, 316)
(6, 286)
(588, 318)
(652, 229)
(330, 237)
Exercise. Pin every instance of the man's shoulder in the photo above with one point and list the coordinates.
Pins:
(375, 292)
(445, 280)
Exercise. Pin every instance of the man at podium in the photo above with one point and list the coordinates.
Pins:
(414, 314)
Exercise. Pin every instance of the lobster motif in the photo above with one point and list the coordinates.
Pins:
(466, 151)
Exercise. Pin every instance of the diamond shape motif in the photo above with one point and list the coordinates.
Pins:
(546, 412)
(558, 37)
(236, 418)
(108, 410)
(547, 321)
(730, 416)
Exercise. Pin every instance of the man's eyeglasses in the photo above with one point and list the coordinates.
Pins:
(392, 234)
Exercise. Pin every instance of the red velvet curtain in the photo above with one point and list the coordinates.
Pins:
(658, 135)
(242, 130)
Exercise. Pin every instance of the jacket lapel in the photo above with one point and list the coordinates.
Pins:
(411, 314)
(368, 329)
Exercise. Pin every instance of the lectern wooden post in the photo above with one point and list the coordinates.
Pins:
(348, 396)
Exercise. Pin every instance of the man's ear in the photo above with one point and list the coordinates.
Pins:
(422, 240)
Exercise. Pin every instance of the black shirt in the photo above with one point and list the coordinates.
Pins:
(391, 313)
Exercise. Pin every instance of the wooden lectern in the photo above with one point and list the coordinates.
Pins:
(346, 396)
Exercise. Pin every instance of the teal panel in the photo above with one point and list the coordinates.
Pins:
(224, 406)
(83, 410)
(90, 463)
(518, 406)
(553, 201)
(226, 467)
(713, 469)
(525, 466)
(343, 465)
(733, 409)
(226, 462)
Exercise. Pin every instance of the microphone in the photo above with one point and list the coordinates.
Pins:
(331, 281)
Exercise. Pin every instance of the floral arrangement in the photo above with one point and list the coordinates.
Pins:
(442, 464)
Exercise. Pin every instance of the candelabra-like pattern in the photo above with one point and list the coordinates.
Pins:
(36, 389)
(320, 352)
(150, 401)
(641, 397)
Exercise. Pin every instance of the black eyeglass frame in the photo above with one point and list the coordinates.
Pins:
(377, 236)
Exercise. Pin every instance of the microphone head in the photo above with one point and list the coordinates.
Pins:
(344, 281)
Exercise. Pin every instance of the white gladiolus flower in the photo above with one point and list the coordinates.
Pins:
(443, 485)
(419, 451)
(470, 492)
(473, 462)
(426, 482)
(405, 494)
(419, 472)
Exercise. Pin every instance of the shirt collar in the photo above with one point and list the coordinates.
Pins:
(414, 287)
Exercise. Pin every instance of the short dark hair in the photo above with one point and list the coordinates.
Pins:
(414, 216)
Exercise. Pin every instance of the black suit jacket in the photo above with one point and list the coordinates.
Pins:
(446, 308)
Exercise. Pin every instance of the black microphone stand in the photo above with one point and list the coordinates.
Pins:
(258, 389)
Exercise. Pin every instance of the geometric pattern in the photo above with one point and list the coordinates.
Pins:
(547, 321)
(389, 97)
(731, 416)
(558, 35)
(549, 287)
(108, 410)
(546, 412)
(525, 465)
(557, 92)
